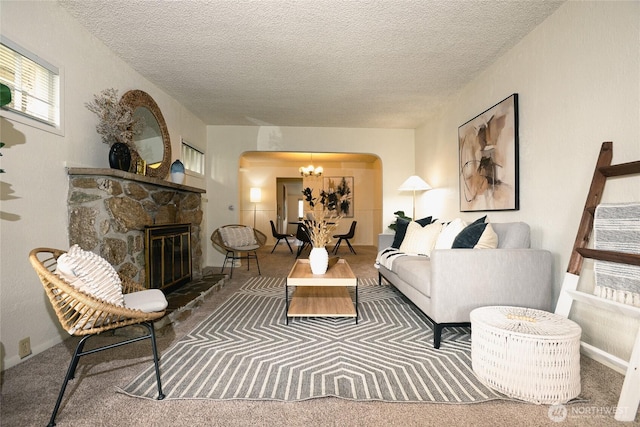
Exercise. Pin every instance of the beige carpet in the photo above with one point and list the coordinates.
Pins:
(29, 390)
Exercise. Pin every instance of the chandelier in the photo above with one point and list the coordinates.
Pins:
(310, 170)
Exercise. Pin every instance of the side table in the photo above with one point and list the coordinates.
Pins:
(528, 354)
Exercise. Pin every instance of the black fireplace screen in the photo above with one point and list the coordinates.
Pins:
(168, 255)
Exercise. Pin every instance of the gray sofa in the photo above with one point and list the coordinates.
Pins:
(450, 283)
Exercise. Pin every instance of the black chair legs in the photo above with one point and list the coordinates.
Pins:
(279, 236)
(346, 238)
(286, 241)
(301, 249)
(79, 352)
(71, 372)
(337, 246)
(231, 256)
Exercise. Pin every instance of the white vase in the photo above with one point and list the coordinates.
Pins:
(319, 260)
(177, 177)
(177, 172)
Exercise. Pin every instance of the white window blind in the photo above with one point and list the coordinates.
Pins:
(34, 83)
(192, 158)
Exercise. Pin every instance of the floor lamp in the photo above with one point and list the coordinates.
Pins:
(255, 196)
(414, 183)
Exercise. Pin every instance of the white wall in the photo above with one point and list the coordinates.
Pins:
(578, 80)
(225, 144)
(33, 212)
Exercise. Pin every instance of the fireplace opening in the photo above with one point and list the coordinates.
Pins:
(167, 256)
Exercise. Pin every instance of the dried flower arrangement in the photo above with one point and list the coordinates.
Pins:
(116, 121)
(325, 220)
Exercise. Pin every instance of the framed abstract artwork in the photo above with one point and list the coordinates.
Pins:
(488, 159)
(340, 191)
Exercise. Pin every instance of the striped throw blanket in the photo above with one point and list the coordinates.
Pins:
(386, 257)
(617, 228)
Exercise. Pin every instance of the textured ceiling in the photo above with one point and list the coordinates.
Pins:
(337, 63)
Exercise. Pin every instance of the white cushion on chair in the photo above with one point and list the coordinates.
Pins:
(149, 300)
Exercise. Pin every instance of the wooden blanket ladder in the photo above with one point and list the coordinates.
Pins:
(630, 393)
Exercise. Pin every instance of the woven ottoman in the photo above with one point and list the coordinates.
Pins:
(526, 354)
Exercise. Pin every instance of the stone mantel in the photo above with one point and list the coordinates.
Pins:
(110, 209)
(115, 173)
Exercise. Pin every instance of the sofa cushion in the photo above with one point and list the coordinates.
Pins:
(401, 230)
(512, 235)
(449, 233)
(476, 236)
(424, 221)
(488, 239)
(420, 240)
(415, 270)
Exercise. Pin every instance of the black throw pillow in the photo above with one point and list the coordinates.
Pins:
(468, 238)
(424, 221)
(401, 230)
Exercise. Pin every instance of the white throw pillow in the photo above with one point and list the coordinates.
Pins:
(488, 239)
(449, 233)
(420, 240)
(236, 237)
(92, 274)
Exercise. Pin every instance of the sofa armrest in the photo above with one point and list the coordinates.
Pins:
(464, 279)
(385, 240)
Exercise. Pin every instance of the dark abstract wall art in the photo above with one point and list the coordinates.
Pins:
(340, 191)
(488, 159)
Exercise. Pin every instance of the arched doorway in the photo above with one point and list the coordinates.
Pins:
(264, 169)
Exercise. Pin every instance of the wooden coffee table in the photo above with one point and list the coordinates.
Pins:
(321, 295)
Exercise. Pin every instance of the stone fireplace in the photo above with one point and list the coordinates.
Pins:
(109, 211)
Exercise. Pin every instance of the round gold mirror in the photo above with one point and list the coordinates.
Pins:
(153, 144)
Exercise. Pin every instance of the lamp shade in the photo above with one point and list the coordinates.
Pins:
(414, 183)
(255, 195)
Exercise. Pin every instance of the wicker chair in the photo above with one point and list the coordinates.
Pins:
(74, 307)
(251, 241)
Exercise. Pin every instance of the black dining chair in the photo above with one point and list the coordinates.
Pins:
(346, 237)
(303, 236)
(279, 236)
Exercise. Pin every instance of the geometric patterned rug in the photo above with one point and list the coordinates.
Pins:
(244, 350)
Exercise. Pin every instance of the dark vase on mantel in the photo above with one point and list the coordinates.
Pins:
(120, 156)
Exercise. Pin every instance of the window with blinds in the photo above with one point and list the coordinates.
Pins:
(192, 158)
(34, 83)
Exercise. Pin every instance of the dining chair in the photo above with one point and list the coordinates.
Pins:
(280, 236)
(346, 237)
(302, 234)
